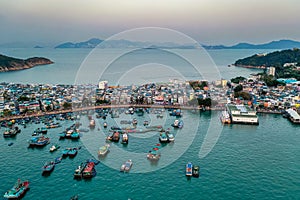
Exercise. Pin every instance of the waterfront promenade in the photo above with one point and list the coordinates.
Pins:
(153, 106)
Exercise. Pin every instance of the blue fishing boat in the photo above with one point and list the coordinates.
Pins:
(18, 190)
(48, 167)
(65, 152)
(58, 160)
(163, 137)
(62, 135)
(39, 141)
(177, 123)
(75, 135)
(72, 152)
(189, 169)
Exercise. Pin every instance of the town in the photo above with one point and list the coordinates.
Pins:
(19, 100)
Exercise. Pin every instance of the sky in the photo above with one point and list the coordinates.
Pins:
(208, 21)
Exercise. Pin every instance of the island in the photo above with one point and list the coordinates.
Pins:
(279, 64)
(13, 64)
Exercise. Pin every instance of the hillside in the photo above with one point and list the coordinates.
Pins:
(12, 64)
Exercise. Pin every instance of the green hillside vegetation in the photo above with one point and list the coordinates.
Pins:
(275, 59)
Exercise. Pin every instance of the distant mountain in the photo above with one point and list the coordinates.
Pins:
(13, 64)
(281, 44)
(92, 43)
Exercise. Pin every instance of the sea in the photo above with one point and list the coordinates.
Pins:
(236, 161)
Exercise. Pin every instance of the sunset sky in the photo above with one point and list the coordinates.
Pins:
(207, 21)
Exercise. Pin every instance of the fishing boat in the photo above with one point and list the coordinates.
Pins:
(62, 135)
(58, 160)
(89, 170)
(48, 167)
(115, 137)
(72, 152)
(65, 152)
(177, 123)
(75, 135)
(103, 150)
(176, 112)
(10, 144)
(124, 138)
(79, 170)
(104, 124)
(154, 153)
(170, 137)
(146, 123)
(134, 121)
(163, 137)
(54, 147)
(39, 141)
(125, 167)
(189, 169)
(12, 132)
(195, 171)
(92, 123)
(18, 190)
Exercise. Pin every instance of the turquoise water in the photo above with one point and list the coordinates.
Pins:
(247, 162)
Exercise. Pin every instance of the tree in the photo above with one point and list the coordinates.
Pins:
(237, 80)
(238, 88)
(67, 105)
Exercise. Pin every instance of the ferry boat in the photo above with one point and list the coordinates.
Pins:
(125, 167)
(189, 169)
(18, 190)
(124, 138)
(54, 147)
(225, 117)
(89, 170)
(242, 114)
(195, 171)
(103, 150)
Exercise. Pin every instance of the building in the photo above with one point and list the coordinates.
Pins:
(271, 71)
(103, 85)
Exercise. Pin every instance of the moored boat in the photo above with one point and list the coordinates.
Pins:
(225, 117)
(163, 137)
(170, 136)
(72, 152)
(18, 190)
(103, 150)
(125, 167)
(48, 167)
(79, 170)
(189, 169)
(39, 141)
(196, 170)
(58, 160)
(54, 147)
(11, 132)
(177, 123)
(124, 138)
(89, 170)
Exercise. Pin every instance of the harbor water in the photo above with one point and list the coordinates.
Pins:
(244, 162)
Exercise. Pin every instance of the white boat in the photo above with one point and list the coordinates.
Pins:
(171, 137)
(225, 117)
(125, 167)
